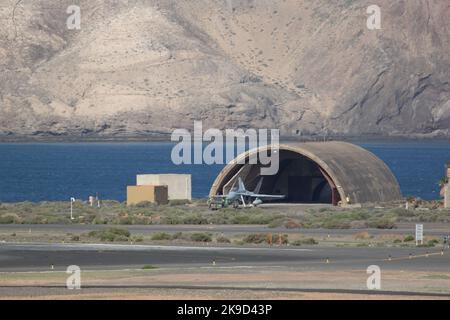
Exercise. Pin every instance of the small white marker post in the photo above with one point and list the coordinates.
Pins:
(72, 200)
(419, 234)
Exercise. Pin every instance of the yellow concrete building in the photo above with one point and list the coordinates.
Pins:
(180, 185)
(154, 194)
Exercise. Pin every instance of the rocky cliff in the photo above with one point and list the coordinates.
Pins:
(141, 68)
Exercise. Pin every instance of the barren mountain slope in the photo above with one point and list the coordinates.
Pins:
(142, 68)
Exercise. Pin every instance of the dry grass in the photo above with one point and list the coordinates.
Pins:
(364, 235)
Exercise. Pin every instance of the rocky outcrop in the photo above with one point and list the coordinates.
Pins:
(143, 68)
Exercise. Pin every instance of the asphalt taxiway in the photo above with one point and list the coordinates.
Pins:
(41, 257)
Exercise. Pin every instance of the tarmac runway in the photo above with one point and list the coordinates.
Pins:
(41, 257)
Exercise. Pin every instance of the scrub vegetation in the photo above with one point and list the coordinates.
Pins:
(275, 238)
(196, 213)
(111, 235)
(116, 213)
(305, 242)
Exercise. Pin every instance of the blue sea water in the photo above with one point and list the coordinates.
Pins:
(58, 171)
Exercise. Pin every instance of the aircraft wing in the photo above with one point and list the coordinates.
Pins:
(271, 196)
(255, 195)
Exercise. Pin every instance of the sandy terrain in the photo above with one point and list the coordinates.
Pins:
(180, 294)
(254, 283)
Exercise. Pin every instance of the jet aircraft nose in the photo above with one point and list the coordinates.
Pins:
(257, 202)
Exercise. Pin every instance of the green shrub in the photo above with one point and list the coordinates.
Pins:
(32, 220)
(124, 220)
(256, 238)
(137, 239)
(194, 219)
(120, 238)
(180, 235)
(336, 224)
(7, 220)
(383, 223)
(145, 204)
(99, 220)
(111, 234)
(171, 219)
(409, 238)
(120, 232)
(178, 202)
(149, 267)
(305, 242)
(360, 245)
(223, 239)
(254, 218)
(401, 212)
(201, 237)
(159, 236)
(276, 223)
(428, 244)
(432, 242)
(56, 220)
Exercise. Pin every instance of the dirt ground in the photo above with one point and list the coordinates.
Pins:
(185, 294)
(222, 284)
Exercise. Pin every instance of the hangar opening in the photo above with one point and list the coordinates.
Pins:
(335, 173)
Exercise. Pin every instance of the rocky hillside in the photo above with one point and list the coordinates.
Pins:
(140, 68)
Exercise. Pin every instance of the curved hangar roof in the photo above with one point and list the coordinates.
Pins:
(354, 174)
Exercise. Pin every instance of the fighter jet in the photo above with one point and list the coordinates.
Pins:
(240, 194)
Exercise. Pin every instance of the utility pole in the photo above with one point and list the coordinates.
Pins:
(72, 200)
(98, 200)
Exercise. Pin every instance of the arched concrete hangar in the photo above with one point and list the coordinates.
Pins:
(316, 172)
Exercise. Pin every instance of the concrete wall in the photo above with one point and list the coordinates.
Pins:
(179, 185)
(447, 196)
(447, 191)
(155, 194)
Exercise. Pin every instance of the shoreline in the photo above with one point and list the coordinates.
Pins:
(166, 139)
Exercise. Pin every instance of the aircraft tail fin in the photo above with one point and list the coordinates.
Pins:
(241, 185)
(258, 186)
